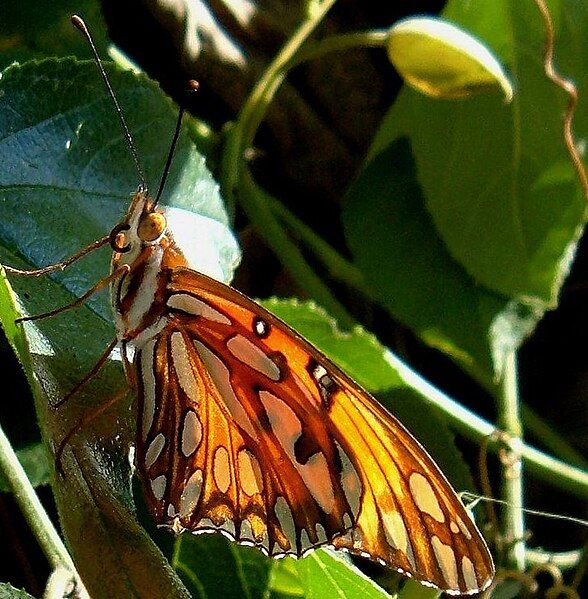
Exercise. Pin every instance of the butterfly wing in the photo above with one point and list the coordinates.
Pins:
(247, 429)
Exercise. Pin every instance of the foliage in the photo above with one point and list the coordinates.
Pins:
(462, 225)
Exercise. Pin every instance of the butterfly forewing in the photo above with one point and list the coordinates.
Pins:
(247, 429)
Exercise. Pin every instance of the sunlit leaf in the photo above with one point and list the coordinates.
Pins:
(442, 60)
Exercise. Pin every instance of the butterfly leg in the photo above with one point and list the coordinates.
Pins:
(101, 284)
(59, 265)
(90, 375)
(82, 423)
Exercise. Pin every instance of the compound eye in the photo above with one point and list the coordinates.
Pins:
(151, 227)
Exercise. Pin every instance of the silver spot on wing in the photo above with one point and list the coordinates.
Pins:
(220, 376)
(158, 486)
(249, 354)
(183, 367)
(192, 305)
(191, 494)
(191, 433)
(424, 496)
(155, 448)
(446, 560)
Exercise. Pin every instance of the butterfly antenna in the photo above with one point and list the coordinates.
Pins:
(192, 87)
(78, 22)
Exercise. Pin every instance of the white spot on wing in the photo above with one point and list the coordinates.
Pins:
(221, 469)
(249, 473)
(261, 327)
(305, 543)
(315, 474)
(350, 481)
(425, 497)
(192, 305)
(154, 450)
(246, 531)
(347, 523)
(464, 529)
(446, 560)
(191, 433)
(286, 520)
(253, 356)
(191, 494)
(147, 334)
(219, 374)
(319, 372)
(183, 367)
(158, 487)
(228, 527)
(395, 531)
(320, 533)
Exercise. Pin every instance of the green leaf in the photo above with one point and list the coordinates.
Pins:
(497, 180)
(7, 591)
(328, 574)
(42, 28)
(414, 590)
(285, 580)
(213, 566)
(441, 60)
(494, 211)
(419, 282)
(66, 163)
(36, 464)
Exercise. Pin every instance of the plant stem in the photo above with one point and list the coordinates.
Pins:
(31, 507)
(255, 206)
(339, 43)
(338, 267)
(509, 420)
(242, 133)
(543, 466)
(564, 560)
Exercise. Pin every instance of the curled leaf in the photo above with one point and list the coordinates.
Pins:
(441, 60)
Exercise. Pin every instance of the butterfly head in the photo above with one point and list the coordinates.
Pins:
(142, 226)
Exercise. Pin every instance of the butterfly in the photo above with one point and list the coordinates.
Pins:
(244, 428)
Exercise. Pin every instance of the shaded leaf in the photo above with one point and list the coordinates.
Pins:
(42, 28)
(419, 282)
(212, 566)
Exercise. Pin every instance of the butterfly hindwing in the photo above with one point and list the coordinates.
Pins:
(263, 437)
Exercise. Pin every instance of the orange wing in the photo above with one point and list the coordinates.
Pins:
(247, 429)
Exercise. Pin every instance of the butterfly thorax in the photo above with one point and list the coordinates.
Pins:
(143, 242)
